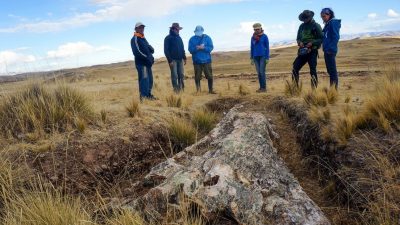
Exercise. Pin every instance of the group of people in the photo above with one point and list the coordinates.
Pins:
(310, 37)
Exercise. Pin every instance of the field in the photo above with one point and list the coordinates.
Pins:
(96, 157)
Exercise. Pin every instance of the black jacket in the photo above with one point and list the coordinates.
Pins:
(142, 51)
(173, 47)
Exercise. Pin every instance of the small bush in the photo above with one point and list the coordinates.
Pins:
(243, 90)
(133, 109)
(40, 110)
(204, 120)
(174, 101)
(292, 90)
(182, 133)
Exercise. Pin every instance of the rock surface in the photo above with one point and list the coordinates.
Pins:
(235, 170)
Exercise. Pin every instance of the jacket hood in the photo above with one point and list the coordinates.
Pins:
(336, 22)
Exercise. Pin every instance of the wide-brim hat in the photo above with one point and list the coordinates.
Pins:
(176, 26)
(306, 14)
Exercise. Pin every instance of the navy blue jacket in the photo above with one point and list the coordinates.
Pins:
(260, 48)
(142, 51)
(201, 56)
(173, 47)
(331, 36)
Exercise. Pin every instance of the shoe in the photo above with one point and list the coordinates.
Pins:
(212, 92)
(261, 90)
(151, 97)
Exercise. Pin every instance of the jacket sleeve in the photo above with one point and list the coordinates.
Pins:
(251, 48)
(335, 32)
(319, 36)
(299, 35)
(139, 50)
(209, 45)
(192, 46)
(166, 49)
(266, 47)
(183, 49)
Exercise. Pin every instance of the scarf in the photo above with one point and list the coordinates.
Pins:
(138, 35)
(257, 37)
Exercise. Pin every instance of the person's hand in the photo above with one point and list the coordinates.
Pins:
(266, 61)
(301, 44)
(309, 45)
(184, 61)
(252, 62)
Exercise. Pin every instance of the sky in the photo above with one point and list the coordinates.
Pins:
(38, 35)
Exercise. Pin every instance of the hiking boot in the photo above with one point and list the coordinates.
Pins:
(261, 90)
(152, 97)
(212, 92)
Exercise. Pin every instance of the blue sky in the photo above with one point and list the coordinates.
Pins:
(38, 35)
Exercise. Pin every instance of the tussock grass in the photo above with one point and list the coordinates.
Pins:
(126, 217)
(292, 90)
(133, 109)
(39, 109)
(103, 115)
(320, 115)
(243, 90)
(316, 98)
(174, 101)
(44, 207)
(204, 120)
(331, 94)
(181, 132)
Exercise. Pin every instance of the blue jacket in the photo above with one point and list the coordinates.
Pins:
(142, 51)
(202, 56)
(331, 36)
(260, 48)
(173, 47)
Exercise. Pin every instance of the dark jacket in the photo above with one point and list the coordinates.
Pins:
(260, 47)
(310, 32)
(173, 47)
(201, 56)
(142, 51)
(331, 36)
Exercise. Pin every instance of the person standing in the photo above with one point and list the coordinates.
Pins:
(144, 60)
(175, 53)
(330, 41)
(200, 46)
(309, 39)
(259, 55)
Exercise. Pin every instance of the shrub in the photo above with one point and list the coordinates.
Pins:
(204, 120)
(38, 109)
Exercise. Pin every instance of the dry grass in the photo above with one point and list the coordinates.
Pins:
(40, 110)
(243, 90)
(174, 101)
(126, 217)
(316, 98)
(181, 132)
(133, 109)
(292, 90)
(204, 120)
(331, 94)
(320, 115)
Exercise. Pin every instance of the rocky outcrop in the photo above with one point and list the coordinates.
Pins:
(234, 170)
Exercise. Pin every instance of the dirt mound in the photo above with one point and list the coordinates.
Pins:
(111, 166)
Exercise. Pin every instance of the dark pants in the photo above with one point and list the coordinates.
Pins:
(330, 62)
(145, 80)
(260, 64)
(177, 75)
(300, 61)
(198, 70)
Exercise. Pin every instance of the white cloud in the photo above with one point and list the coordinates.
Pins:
(76, 49)
(111, 10)
(11, 57)
(392, 13)
(372, 15)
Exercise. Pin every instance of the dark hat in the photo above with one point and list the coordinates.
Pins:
(176, 26)
(306, 14)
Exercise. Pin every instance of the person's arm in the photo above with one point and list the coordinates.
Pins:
(192, 46)
(209, 45)
(266, 46)
(251, 48)
(166, 49)
(335, 32)
(299, 37)
(137, 47)
(183, 49)
(319, 36)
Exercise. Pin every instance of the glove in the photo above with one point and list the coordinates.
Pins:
(252, 61)
(266, 61)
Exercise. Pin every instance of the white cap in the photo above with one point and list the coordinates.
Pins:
(138, 24)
